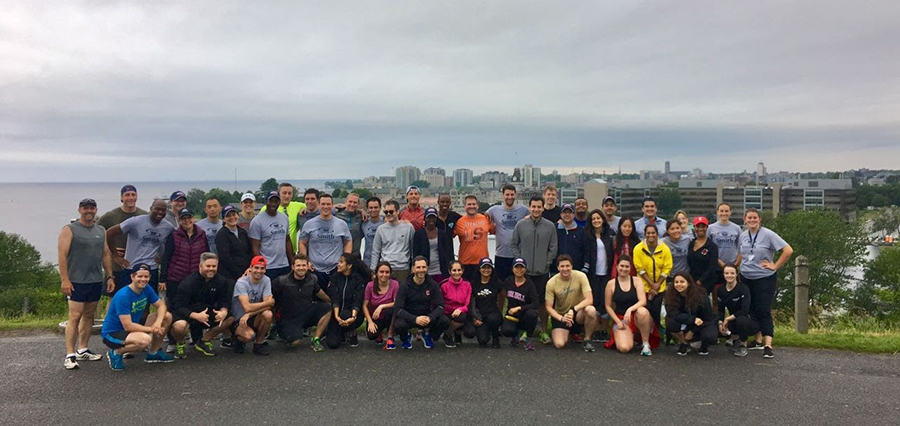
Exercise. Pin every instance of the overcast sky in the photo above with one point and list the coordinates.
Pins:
(101, 91)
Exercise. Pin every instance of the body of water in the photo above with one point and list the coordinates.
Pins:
(37, 211)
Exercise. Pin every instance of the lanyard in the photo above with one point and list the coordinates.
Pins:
(753, 239)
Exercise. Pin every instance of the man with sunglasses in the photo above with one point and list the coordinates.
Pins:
(393, 242)
(413, 212)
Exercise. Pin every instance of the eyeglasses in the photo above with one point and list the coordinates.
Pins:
(389, 211)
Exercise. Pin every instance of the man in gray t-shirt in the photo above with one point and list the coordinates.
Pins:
(324, 238)
(505, 217)
(269, 237)
(373, 205)
(212, 223)
(252, 303)
(144, 238)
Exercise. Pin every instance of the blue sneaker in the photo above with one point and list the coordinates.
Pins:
(159, 356)
(427, 340)
(406, 341)
(116, 361)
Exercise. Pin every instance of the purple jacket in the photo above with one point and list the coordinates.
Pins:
(182, 254)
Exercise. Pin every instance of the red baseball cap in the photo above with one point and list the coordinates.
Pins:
(258, 260)
(700, 219)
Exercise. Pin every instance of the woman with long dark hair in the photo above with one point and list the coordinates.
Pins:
(486, 306)
(346, 289)
(600, 261)
(734, 297)
(378, 306)
(457, 294)
(678, 244)
(689, 315)
(625, 242)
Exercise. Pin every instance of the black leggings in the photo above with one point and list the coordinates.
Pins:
(383, 323)
(743, 327)
(655, 308)
(598, 288)
(436, 328)
(335, 332)
(707, 333)
(762, 296)
(527, 321)
(490, 327)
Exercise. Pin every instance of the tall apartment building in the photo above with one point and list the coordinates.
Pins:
(406, 175)
(463, 178)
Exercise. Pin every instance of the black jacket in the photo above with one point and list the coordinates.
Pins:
(574, 243)
(591, 252)
(195, 294)
(684, 316)
(346, 291)
(234, 252)
(737, 301)
(414, 300)
(704, 263)
(293, 296)
(420, 247)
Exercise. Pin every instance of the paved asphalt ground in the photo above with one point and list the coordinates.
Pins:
(467, 385)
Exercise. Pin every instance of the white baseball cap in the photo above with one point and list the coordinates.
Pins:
(248, 196)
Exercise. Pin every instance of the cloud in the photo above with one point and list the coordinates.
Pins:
(348, 90)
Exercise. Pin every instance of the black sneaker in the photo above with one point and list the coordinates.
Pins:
(604, 336)
(754, 346)
(272, 334)
(768, 353)
(704, 350)
(238, 346)
(449, 341)
(261, 348)
(495, 342)
(683, 349)
(354, 340)
(458, 338)
(514, 342)
(227, 343)
(588, 346)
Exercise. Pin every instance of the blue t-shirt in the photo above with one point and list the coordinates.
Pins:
(127, 302)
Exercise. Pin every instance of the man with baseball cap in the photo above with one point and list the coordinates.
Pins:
(83, 255)
(435, 245)
(248, 210)
(252, 304)
(128, 209)
(571, 239)
(270, 239)
(290, 208)
(608, 207)
(413, 212)
(177, 201)
(393, 243)
(234, 246)
(145, 238)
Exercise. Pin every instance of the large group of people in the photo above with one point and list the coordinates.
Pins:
(296, 271)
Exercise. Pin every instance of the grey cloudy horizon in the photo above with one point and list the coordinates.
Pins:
(96, 91)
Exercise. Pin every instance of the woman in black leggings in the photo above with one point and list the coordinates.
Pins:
(689, 315)
(486, 306)
(734, 296)
(521, 307)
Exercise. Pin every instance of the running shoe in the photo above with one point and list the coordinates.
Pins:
(755, 346)
(545, 338)
(729, 343)
(427, 341)
(353, 339)
(529, 344)
(683, 349)
(577, 338)
(407, 342)
(205, 348)
(316, 345)
(158, 357)
(768, 353)
(261, 349)
(170, 348)
(696, 344)
(740, 351)
(389, 344)
(116, 361)
(704, 350)
(379, 340)
(495, 342)
(588, 346)
(514, 342)
(238, 346)
(646, 350)
(179, 351)
(448, 341)
(458, 338)
(70, 363)
(227, 343)
(87, 355)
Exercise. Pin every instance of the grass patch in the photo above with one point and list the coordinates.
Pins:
(847, 340)
(30, 322)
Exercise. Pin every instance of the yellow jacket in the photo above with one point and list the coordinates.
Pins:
(652, 266)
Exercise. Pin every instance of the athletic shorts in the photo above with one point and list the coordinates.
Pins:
(86, 293)
(575, 328)
(115, 340)
(291, 329)
(250, 323)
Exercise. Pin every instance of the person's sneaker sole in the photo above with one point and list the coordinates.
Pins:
(740, 353)
(204, 351)
(71, 366)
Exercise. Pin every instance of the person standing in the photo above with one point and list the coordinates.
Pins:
(505, 217)
(472, 230)
(311, 198)
(419, 304)
(370, 226)
(653, 262)
(212, 223)
(324, 239)
(291, 209)
(535, 241)
(234, 246)
(624, 243)
(127, 210)
(181, 256)
(354, 218)
(599, 256)
(83, 256)
(435, 245)
(177, 202)
(703, 257)
(679, 244)
(393, 242)
(725, 234)
(571, 240)
(145, 235)
(581, 212)
(446, 218)
(551, 210)
(648, 206)
(248, 210)
(269, 238)
(609, 214)
(413, 212)
(759, 271)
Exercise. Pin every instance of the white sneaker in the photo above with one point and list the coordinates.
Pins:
(88, 356)
(170, 348)
(646, 350)
(70, 363)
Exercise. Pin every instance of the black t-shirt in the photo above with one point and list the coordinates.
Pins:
(447, 225)
(486, 297)
(552, 214)
(525, 296)
(293, 296)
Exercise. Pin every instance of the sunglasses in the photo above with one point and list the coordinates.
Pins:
(389, 211)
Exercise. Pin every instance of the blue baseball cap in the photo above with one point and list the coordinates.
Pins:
(485, 262)
(185, 212)
(128, 188)
(273, 194)
(431, 211)
(176, 195)
(519, 262)
(608, 199)
(229, 209)
(567, 206)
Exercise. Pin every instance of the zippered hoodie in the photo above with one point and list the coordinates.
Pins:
(195, 294)
(457, 295)
(346, 291)
(414, 300)
(654, 265)
(536, 242)
(572, 241)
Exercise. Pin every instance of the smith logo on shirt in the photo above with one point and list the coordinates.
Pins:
(152, 236)
(138, 306)
(325, 233)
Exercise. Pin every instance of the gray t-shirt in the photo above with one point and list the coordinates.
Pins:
(145, 239)
(211, 230)
(255, 292)
(354, 222)
(505, 222)
(326, 239)
(726, 239)
(369, 228)
(754, 249)
(271, 231)
(679, 251)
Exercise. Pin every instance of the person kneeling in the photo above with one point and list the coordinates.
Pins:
(252, 306)
(569, 301)
(122, 330)
(689, 315)
(201, 307)
(420, 304)
(297, 309)
(457, 294)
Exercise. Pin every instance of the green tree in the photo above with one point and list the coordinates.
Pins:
(196, 200)
(20, 264)
(887, 220)
(833, 248)
(420, 183)
(668, 202)
(339, 193)
(363, 193)
(269, 185)
(882, 278)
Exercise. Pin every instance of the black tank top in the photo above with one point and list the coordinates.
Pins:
(622, 299)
